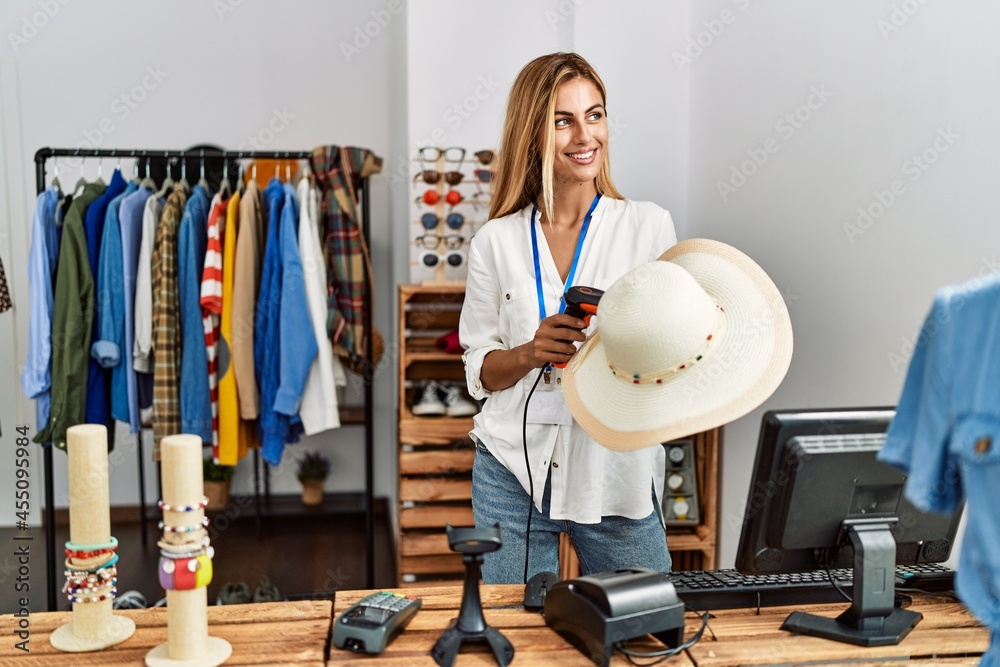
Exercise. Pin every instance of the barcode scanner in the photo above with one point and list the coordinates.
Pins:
(581, 302)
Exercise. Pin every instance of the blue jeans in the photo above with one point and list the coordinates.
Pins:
(616, 542)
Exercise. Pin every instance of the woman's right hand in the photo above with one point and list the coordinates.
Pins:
(550, 346)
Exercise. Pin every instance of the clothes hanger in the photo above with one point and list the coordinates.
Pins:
(55, 175)
(168, 182)
(225, 189)
(147, 182)
(100, 169)
(183, 184)
(82, 183)
(135, 169)
(241, 185)
(202, 181)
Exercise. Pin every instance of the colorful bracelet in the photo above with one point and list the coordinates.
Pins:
(184, 574)
(78, 578)
(183, 529)
(111, 544)
(183, 508)
(106, 596)
(91, 567)
(75, 590)
(87, 554)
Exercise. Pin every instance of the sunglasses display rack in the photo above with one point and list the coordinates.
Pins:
(452, 187)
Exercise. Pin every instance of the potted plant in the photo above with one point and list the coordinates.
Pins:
(217, 479)
(313, 471)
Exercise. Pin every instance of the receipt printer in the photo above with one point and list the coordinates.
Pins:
(597, 611)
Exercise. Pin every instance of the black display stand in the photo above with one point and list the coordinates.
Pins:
(203, 155)
(872, 619)
(470, 626)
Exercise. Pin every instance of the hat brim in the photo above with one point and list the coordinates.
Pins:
(741, 370)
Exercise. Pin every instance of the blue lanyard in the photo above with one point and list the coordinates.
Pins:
(572, 268)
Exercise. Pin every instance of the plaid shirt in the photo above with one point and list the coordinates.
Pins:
(166, 324)
(339, 174)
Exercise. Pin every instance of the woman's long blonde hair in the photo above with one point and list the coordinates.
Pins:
(524, 169)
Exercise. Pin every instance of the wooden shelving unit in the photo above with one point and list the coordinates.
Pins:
(435, 453)
(436, 456)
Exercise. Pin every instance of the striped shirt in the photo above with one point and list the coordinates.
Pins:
(211, 308)
(166, 323)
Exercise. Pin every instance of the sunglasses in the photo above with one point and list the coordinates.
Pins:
(451, 241)
(484, 156)
(432, 177)
(483, 175)
(453, 258)
(432, 197)
(431, 220)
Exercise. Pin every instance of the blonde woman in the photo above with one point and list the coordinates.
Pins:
(556, 220)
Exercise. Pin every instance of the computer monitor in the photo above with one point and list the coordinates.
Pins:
(819, 498)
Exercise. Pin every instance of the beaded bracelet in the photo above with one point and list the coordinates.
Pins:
(183, 508)
(79, 553)
(75, 590)
(183, 529)
(111, 544)
(106, 596)
(77, 578)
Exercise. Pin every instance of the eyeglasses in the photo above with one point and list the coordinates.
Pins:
(451, 241)
(450, 154)
(483, 175)
(480, 199)
(452, 258)
(484, 156)
(453, 220)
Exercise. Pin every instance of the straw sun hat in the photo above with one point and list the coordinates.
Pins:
(684, 344)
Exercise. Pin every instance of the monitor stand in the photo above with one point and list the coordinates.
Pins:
(872, 619)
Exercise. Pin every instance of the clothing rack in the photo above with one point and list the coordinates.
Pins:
(45, 154)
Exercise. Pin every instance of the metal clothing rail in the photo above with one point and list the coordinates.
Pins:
(45, 154)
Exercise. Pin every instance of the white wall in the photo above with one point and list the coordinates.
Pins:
(225, 70)
(856, 299)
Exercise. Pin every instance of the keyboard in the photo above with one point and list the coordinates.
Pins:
(703, 590)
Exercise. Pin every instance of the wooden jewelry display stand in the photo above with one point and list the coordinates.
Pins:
(188, 643)
(94, 626)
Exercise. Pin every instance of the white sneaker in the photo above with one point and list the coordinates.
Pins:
(429, 403)
(456, 404)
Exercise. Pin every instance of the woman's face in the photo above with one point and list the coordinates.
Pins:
(581, 132)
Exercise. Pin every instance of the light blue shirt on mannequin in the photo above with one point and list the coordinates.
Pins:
(946, 435)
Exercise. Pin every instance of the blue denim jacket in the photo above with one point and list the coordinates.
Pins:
(946, 434)
(192, 242)
(36, 379)
(107, 346)
(274, 425)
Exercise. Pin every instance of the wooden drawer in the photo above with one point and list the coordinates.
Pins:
(427, 489)
(440, 461)
(435, 516)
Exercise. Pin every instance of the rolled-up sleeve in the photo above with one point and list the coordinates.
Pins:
(479, 325)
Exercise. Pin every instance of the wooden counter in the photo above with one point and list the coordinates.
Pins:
(267, 633)
(948, 636)
(296, 633)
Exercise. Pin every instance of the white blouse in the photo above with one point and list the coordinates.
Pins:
(501, 312)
